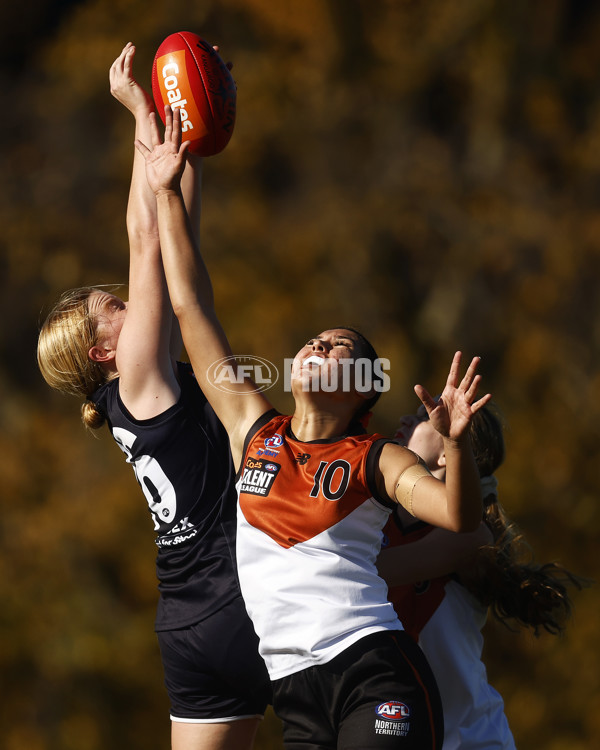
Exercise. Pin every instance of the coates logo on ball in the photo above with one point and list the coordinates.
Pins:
(189, 75)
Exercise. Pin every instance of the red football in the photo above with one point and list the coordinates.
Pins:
(189, 74)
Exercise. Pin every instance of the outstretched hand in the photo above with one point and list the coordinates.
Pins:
(165, 161)
(123, 85)
(452, 413)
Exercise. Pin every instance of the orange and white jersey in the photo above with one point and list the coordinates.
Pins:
(309, 532)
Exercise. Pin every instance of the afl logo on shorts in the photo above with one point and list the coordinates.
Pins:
(275, 441)
(393, 711)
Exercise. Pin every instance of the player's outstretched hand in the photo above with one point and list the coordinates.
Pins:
(165, 161)
(452, 413)
(125, 88)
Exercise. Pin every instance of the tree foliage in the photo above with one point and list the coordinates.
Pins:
(426, 171)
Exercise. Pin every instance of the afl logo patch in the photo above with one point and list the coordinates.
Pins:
(393, 711)
(275, 441)
(271, 467)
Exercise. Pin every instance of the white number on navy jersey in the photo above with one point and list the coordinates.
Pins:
(324, 479)
(157, 487)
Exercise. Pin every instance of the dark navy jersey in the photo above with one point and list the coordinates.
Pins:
(182, 461)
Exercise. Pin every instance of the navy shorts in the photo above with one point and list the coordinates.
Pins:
(379, 694)
(213, 671)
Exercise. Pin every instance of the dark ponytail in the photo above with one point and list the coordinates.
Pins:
(505, 576)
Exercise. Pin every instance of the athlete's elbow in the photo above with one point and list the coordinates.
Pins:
(185, 308)
(467, 526)
(179, 304)
(192, 315)
(466, 521)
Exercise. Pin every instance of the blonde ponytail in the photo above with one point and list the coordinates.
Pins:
(90, 416)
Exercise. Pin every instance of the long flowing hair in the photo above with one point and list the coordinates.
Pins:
(506, 578)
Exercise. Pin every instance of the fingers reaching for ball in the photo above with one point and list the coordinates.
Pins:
(125, 88)
(165, 159)
(452, 412)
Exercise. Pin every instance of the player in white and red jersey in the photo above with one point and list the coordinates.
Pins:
(461, 576)
(313, 498)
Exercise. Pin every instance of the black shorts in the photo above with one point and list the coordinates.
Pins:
(379, 694)
(213, 671)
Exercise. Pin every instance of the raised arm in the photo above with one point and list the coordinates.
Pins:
(147, 381)
(455, 505)
(238, 406)
(438, 553)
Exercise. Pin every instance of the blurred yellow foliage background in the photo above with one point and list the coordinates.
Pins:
(425, 170)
